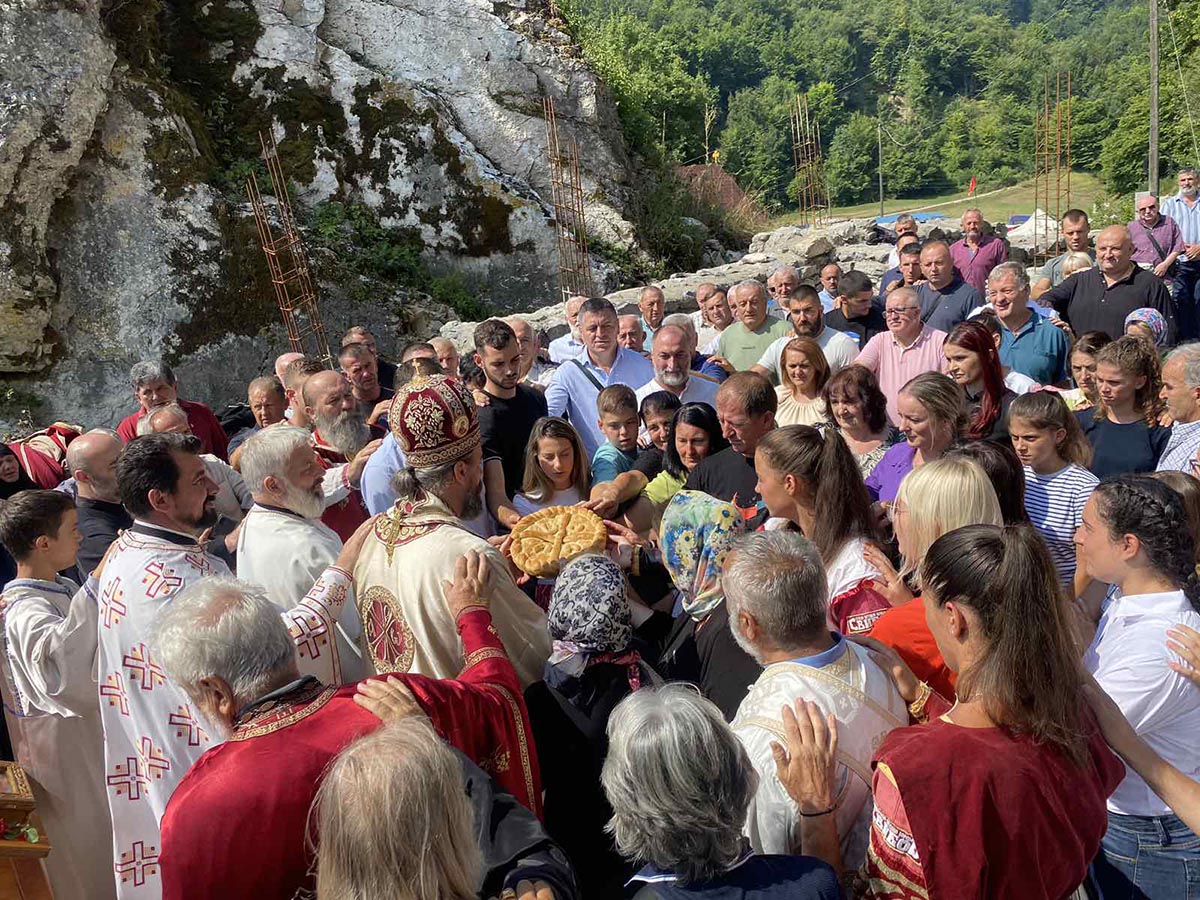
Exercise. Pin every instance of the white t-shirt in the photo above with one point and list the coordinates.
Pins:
(524, 505)
(840, 351)
(1019, 383)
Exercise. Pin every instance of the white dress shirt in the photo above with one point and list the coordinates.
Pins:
(1129, 658)
(564, 348)
(697, 390)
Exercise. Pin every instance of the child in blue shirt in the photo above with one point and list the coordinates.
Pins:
(618, 410)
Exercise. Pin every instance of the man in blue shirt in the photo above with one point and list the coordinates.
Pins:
(652, 305)
(577, 383)
(945, 298)
(1029, 343)
(830, 273)
(1184, 208)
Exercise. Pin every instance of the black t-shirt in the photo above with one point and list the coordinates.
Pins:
(729, 476)
(864, 327)
(1088, 303)
(504, 426)
(649, 462)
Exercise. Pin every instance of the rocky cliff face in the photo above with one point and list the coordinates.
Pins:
(411, 130)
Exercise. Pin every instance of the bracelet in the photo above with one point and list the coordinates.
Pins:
(817, 815)
(917, 708)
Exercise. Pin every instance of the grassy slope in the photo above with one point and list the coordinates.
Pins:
(997, 207)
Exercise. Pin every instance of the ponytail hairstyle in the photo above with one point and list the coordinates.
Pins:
(1047, 410)
(1028, 676)
(833, 483)
(974, 337)
(1153, 513)
(1138, 358)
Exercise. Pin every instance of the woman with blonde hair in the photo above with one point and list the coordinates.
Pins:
(932, 500)
(803, 373)
(1123, 428)
(933, 414)
(395, 822)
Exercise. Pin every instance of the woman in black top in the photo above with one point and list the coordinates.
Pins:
(697, 532)
(596, 663)
(973, 362)
(1123, 428)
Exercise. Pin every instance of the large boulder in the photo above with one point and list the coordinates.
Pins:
(412, 136)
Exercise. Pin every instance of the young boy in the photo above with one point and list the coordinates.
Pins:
(50, 694)
(618, 411)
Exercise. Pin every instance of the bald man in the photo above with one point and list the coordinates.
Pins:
(447, 355)
(282, 361)
(1100, 298)
(92, 462)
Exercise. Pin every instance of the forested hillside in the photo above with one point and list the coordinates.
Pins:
(953, 84)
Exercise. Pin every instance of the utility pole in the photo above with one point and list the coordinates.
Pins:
(879, 141)
(1152, 162)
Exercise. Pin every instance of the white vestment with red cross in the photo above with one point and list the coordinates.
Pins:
(152, 731)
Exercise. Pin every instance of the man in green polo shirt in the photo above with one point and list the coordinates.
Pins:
(1029, 342)
(743, 343)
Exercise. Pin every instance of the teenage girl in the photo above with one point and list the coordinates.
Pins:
(1055, 454)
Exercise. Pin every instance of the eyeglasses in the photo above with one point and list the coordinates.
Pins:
(898, 312)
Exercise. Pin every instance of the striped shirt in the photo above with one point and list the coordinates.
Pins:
(1055, 504)
(1187, 217)
(1181, 448)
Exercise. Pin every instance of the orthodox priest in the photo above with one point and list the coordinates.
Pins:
(283, 545)
(254, 696)
(152, 732)
(412, 548)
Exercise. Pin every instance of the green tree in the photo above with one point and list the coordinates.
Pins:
(853, 156)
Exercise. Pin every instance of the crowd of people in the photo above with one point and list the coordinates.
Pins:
(899, 599)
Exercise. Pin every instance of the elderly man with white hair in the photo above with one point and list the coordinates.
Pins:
(238, 823)
(775, 589)
(1181, 393)
(570, 345)
(283, 545)
(679, 784)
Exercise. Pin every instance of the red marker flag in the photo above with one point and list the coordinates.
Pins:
(971, 189)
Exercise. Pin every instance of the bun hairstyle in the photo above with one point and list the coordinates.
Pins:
(1153, 513)
(1028, 676)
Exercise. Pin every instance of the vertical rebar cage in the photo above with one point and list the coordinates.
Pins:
(287, 261)
(812, 194)
(574, 263)
(1051, 164)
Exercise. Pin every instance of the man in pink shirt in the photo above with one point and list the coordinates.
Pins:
(976, 254)
(905, 350)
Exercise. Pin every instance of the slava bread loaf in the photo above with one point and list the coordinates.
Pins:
(543, 540)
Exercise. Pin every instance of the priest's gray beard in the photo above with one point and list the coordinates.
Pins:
(309, 504)
(472, 507)
(347, 432)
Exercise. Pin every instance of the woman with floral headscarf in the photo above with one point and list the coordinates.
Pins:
(1147, 324)
(697, 532)
(596, 662)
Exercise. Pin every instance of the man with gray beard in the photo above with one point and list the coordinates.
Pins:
(340, 433)
(283, 545)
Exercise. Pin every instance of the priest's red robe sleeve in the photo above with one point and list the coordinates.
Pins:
(482, 712)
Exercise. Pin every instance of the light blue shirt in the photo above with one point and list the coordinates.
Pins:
(826, 300)
(376, 484)
(608, 462)
(566, 347)
(1181, 448)
(1186, 217)
(572, 393)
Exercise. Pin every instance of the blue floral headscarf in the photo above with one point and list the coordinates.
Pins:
(1152, 319)
(696, 534)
